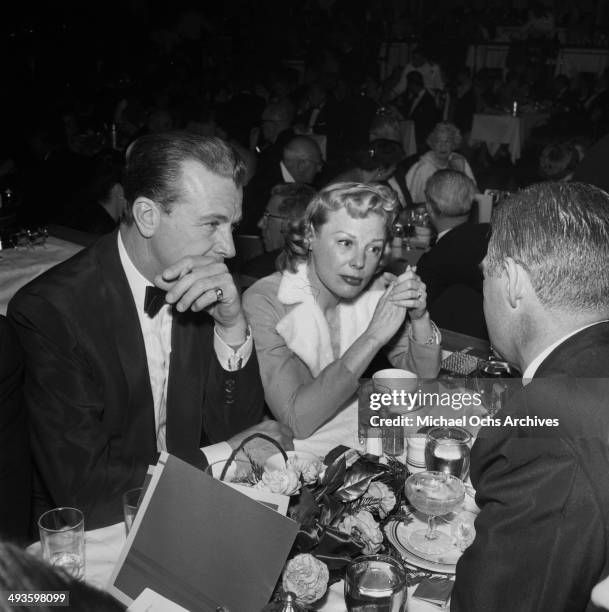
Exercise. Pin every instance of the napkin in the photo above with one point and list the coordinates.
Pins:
(435, 590)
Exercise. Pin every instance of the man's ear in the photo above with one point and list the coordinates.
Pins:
(147, 216)
(517, 282)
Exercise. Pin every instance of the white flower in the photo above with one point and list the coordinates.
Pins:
(284, 482)
(363, 527)
(306, 577)
(385, 495)
(309, 470)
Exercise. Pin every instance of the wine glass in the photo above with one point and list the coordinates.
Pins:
(491, 384)
(409, 223)
(447, 450)
(434, 494)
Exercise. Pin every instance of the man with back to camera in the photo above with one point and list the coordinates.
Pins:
(543, 489)
(451, 268)
(117, 370)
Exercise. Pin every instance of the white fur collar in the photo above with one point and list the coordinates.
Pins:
(305, 329)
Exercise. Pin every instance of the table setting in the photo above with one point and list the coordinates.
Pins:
(400, 499)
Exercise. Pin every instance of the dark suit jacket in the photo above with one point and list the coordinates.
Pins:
(454, 262)
(542, 534)
(15, 461)
(88, 391)
(425, 116)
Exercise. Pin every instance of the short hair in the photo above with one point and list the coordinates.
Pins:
(21, 571)
(380, 153)
(295, 198)
(445, 129)
(450, 193)
(385, 126)
(299, 147)
(358, 199)
(559, 233)
(154, 166)
(280, 110)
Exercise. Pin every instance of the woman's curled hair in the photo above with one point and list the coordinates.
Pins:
(358, 199)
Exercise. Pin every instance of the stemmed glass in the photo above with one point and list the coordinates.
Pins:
(447, 450)
(409, 224)
(434, 494)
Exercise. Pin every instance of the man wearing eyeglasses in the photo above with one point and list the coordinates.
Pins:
(287, 205)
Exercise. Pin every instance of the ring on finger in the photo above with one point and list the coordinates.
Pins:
(419, 295)
(219, 294)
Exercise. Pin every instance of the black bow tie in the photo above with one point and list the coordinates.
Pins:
(154, 301)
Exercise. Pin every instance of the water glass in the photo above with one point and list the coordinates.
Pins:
(131, 503)
(62, 537)
(491, 384)
(447, 450)
(375, 582)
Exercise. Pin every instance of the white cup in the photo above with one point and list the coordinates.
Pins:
(396, 379)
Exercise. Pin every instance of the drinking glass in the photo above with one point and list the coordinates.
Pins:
(62, 536)
(409, 223)
(434, 494)
(131, 503)
(491, 384)
(447, 450)
(375, 582)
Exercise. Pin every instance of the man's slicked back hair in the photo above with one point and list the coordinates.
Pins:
(154, 165)
(559, 233)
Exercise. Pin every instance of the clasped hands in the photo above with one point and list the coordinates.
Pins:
(204, 283)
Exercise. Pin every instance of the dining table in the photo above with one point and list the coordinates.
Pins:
(20, 265)
(103, 546)
(499, 128)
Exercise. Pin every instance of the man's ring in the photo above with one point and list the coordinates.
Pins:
(219, 294)
(419, 294)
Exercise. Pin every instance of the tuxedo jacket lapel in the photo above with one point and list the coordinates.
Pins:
(121, 317)
(185, 387)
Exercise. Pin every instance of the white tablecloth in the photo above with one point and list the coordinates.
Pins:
(103, 546)
(495, 130)
(19, 266)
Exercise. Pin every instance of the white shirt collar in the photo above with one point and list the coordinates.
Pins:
(443, 233)
(137, 281)
(537, 361)
(285, 173)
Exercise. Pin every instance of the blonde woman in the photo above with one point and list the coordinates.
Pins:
(317, 324)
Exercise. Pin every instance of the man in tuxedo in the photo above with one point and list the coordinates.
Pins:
(421, 108)
(139, 344)
(451, 268)
(541, 474)
(15, 460)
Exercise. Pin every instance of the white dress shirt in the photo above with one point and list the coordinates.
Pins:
(157, 342)
(285, 173)
(538, 360)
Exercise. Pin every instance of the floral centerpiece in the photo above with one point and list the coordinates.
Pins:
(341, 505)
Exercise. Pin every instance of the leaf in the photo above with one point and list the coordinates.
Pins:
(334, 475)
(356, 482)
(306, 509)
(330, 509)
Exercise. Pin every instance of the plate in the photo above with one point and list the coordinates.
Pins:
(398, 533)
(276, 462)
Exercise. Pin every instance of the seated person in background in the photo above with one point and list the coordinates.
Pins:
(139, 344)
(558, 162)
(287, 206)
(443, 141)
(23, 572)
(451, 268)
(542, 478)
(15, 461)
(376, 163)
(300, 162)
(102, 201)
(317, 324)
